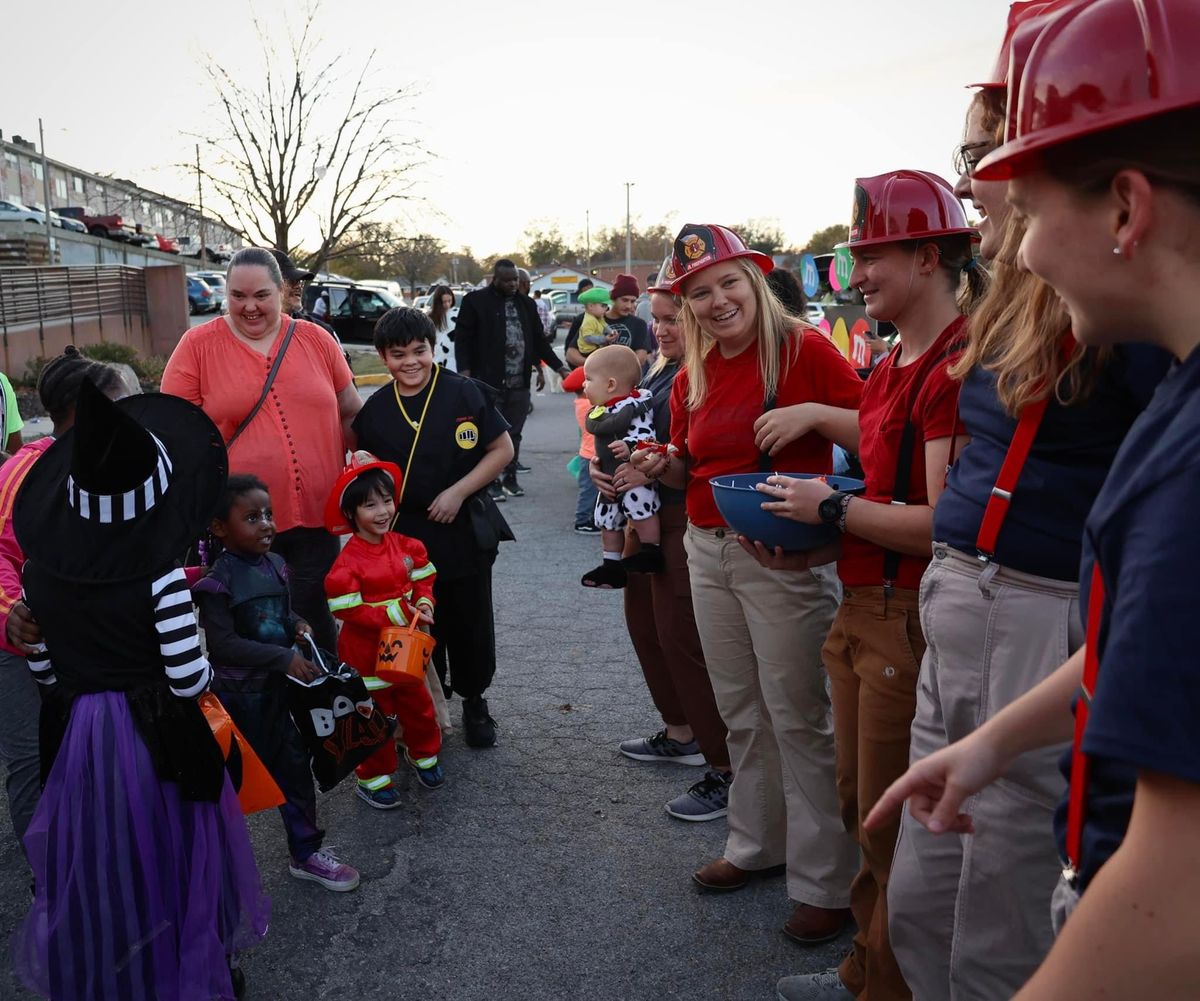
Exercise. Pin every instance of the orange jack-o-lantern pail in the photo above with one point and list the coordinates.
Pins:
(404, 651)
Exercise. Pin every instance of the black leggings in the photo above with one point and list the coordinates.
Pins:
(465, 630)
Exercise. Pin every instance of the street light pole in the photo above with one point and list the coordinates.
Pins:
(628, 232)
(200, 196)
(46, 195)
(587, 230)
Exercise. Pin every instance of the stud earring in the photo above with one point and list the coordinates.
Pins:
(1117, 251)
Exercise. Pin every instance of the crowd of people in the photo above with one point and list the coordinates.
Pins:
(963, 727)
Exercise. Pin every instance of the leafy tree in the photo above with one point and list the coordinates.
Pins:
(416, 258)
(489, 262)
(289, 147)
(757, 234)
(823, 240)
(543, 246)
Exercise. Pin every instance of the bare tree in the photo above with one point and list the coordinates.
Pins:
(415, 257)
(308, 140)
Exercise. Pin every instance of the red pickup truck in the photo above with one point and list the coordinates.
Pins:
(112, 227)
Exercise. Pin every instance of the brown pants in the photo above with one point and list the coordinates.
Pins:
(662, 627)
(873, 656)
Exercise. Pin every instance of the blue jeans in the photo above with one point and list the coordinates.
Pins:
(19, 739)
(585, 507)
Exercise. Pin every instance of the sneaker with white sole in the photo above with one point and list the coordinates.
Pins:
(707, 799)
(660, 747)
(824, 986)
(323, 867)
(385, 798)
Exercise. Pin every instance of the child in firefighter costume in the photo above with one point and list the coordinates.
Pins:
(381, 579)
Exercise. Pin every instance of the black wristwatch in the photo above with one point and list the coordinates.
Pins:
(831, 509)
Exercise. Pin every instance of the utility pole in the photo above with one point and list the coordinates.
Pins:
(587, 230)
(200, 196)
(46, 195)
(628, 232)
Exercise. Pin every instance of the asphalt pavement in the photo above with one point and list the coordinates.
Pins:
(546, 868)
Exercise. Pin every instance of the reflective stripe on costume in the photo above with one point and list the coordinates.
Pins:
(374, 684)
(377, 783)
(420, 573)
(424, 763)
(345, 602)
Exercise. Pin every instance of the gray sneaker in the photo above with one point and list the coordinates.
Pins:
(826, 986)
(708, 799)
(660, 747)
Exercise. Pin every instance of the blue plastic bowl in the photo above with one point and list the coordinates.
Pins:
(740, 505)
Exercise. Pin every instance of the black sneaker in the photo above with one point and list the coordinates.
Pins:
(478, 726)
(496, 493)
(511, 487)
(522, 468)
(587, 529)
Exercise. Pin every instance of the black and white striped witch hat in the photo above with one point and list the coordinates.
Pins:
(125, 491)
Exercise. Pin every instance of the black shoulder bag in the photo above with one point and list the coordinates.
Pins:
(287, 339)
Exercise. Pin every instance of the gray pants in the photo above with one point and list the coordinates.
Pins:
(19, 739)
(969, 916)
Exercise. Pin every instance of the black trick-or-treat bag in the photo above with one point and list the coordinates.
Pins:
(338, 719)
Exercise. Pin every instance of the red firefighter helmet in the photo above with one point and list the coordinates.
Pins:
(1018, 13)
(700, 246)
(1093, 68)
(666, 275)
(904, 205)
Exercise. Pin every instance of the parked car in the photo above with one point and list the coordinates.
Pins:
(215, 280)
(200, 296)
(11, 211)
(163, 243)
(392, 288)
(111, 226)
(67, 223)
(353, 308)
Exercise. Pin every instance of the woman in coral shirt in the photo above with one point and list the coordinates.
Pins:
(297, 440)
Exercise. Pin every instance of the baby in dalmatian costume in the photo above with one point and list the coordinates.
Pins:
(621, 413)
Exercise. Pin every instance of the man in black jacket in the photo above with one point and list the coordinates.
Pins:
(498, 340)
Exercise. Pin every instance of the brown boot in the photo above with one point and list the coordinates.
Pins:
(811, 925)
(722, 876)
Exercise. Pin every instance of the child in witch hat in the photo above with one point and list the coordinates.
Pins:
(138, 810)
(381, 579)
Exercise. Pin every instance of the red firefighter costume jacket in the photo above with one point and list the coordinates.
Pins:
(373, 586)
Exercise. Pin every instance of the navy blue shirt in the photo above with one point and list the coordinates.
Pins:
(1071, 455)
(659, 383)
(1141, 532)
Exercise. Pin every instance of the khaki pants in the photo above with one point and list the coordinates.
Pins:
(873, 656)
(762, 632)
(970, 915)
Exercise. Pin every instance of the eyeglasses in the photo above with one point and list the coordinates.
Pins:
(967, 156)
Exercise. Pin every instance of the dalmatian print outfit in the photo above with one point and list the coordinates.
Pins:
(639, 502)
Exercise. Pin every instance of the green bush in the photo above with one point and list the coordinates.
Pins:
(33, 371)
(116, 354)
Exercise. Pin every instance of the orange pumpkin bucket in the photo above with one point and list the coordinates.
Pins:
(404, 651)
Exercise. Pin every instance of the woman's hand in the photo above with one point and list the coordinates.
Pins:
(649, 463)
(779, 560)
(794, 498)
(303, 669)
(424, 615)
(446, 505)
(937, 786)
(777, 428)
(303, 630)
(601, 480)
(626, 478)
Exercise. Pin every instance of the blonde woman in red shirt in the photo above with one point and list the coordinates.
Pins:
(761, 630)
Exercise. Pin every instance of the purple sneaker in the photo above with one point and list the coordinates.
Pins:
(324, 868)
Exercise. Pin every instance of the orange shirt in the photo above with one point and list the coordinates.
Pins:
(294, 444)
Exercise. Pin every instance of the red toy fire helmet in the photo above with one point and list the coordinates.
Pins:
(1018, 13)
(700, 246)
(904, 205)
(666, 276)
(1092, 68)
(360, 462)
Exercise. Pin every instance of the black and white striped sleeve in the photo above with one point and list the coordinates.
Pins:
(188, 673)
(39, 661)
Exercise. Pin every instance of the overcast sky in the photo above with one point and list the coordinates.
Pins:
(538, 113)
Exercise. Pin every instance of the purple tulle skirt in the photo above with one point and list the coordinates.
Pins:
(141, 895)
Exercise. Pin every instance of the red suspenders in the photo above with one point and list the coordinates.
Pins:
(1076, 798)
(1014, 461)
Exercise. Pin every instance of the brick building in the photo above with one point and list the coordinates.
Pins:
(21, 180)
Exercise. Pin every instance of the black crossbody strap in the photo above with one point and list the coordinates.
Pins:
(287, 339)
(904, 459)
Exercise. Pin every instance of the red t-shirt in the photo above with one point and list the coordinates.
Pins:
(926, 391)
(718, 438)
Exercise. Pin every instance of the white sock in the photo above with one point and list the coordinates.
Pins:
(612, 556)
